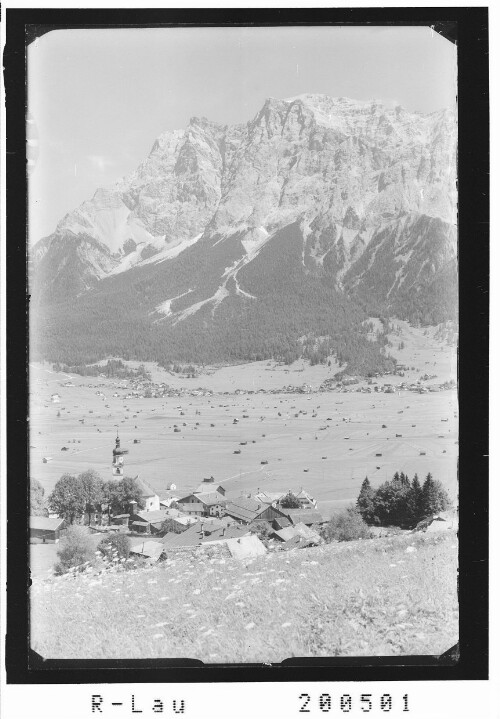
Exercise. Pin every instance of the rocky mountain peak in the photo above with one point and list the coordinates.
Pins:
(369, 189)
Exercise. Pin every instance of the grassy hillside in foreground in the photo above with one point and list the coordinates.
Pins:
(391, 596)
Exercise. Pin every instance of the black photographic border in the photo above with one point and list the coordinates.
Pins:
(468, 27)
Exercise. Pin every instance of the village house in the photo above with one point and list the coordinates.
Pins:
(299, 530)
(269, 497)
(144, 521)
(201, 533)
(246, 510)
(150, 550)
(305, 499)
(210, 485)
(443, 521)
(280, 523)
(304, 516)
(209, 495)
(182, 522)
(44, 530)
(192, 508)
(243, 548)
(149, 497)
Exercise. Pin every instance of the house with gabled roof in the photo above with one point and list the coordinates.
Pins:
(193, 509)
(269, 497)
(305, 499)
(247, 509)
(145, 521)
(210, 485)
(306, 516)
(44, 530)
(200, 533)
(150, 550)
(212, 502)
(245, 547)
(149, 497)
(298, 530)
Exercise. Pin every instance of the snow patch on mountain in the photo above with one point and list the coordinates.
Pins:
(165, 307)
(171, 250)
(253, 243)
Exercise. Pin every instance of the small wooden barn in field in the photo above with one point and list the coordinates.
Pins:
(46, 531)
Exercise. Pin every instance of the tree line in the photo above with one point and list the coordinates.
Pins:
(400, 502)
(77, 496)
(112, 368)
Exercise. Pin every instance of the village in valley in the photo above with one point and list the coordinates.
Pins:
(203, 517)
(235, 468)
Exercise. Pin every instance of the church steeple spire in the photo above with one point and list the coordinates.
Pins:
(117, 466)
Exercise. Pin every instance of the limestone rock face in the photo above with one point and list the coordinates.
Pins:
(371, 187)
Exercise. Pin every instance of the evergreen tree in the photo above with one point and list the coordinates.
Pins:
(364, 502)
(390, 503)
(434, 497)
(415, 501)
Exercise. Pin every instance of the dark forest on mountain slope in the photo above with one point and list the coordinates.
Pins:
(291, 304)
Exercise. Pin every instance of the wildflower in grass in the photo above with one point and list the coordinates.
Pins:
(286, 624)
(158, 636)
(239, 604)
(249, 626)
(197, 591)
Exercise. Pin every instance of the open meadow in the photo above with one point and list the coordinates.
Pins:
(378, 597)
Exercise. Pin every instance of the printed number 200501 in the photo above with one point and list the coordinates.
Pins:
(348, 702)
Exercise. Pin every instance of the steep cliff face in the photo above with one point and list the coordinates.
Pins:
(369, 189)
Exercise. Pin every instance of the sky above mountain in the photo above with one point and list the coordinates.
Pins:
(98, 98)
